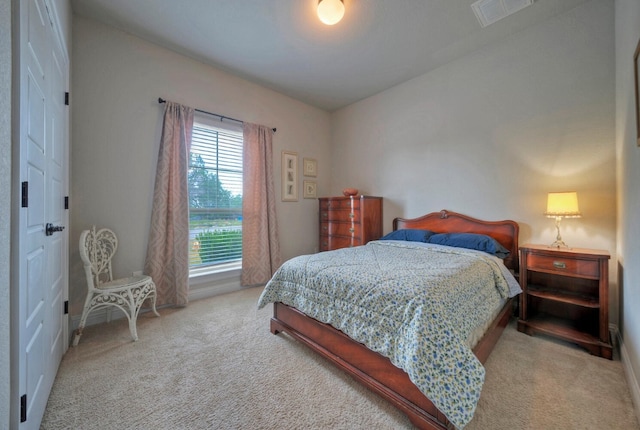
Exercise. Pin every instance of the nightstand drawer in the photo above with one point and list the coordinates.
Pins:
(564, 266)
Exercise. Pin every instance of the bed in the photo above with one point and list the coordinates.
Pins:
(377, 363)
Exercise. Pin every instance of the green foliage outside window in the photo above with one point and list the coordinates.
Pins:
(205, 188)
(215, 246)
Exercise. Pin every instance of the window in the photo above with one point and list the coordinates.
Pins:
(215, 194)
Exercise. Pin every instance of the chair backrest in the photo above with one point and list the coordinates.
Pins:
(96, 251)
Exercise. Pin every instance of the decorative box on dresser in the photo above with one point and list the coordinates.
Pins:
(349, 221)
(566, 295)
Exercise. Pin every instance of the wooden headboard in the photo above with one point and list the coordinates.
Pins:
(505, 232)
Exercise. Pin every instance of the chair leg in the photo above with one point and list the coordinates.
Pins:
(76, 337)
(135, 303)
(135, 310)
(153, 303)
(132, 327)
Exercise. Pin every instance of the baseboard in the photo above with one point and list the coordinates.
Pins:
(100, 316)
(615, 335)
(196, 292)
(632, 380)
(206, 291)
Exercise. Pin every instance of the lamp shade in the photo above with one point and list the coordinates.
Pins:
(564, 205)
(330, 11)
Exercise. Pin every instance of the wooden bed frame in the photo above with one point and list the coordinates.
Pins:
(376, 371)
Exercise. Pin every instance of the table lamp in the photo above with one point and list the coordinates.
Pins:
(562, 205)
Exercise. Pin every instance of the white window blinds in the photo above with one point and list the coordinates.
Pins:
(215, 194)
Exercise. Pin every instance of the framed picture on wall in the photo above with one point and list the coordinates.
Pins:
(309, 167)
(289, 176)
(309, 189)
(636, 66)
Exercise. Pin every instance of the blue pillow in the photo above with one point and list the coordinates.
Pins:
(412, 235)
(480, 242)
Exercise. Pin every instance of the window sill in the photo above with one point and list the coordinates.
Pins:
(213, 271)
(213, 280)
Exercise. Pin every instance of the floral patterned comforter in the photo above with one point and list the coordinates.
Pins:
(417, 304)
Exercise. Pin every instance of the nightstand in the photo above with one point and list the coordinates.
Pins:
(565, 294)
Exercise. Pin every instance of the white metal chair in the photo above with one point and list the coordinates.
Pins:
(128, 294)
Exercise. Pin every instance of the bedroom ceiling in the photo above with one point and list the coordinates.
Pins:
(281, 44)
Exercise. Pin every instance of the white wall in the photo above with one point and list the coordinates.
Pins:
(117, 79)
(491, 134)
(5, 209)
(627, 17)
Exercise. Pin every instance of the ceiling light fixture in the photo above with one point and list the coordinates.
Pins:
(330, 11)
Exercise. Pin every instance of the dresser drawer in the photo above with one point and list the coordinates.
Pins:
(339, 215)
(340, 228)
(336, 242)
(327, 204)
(564, 266)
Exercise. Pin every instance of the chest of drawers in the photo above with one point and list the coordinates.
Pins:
(349, 221)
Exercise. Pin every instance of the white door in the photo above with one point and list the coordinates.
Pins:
(42, 273)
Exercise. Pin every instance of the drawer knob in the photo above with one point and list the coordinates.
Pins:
(351, 215)
(324, 228)
(559, 264)
(351, 230)
(324, 214)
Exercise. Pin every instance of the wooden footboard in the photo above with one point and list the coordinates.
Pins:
(372, 369)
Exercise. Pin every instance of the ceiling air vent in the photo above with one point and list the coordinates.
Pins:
(490, 11)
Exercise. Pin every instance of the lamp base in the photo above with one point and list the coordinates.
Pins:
(559, 244)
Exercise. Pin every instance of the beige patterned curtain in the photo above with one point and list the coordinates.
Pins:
(168, 249)
(260, 246)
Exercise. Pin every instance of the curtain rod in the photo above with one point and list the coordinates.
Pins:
(222, 117)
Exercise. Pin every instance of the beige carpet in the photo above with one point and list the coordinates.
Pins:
(215, 365)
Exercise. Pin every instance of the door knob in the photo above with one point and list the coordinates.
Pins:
(50, 228)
